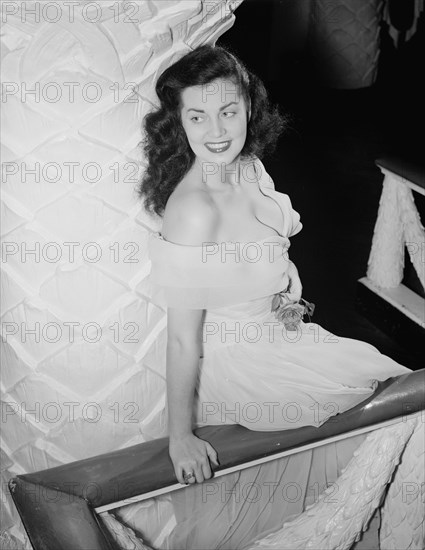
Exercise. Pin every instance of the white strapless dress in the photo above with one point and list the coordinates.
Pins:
(254, 372)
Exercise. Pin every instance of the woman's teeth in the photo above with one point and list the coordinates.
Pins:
(218, 147)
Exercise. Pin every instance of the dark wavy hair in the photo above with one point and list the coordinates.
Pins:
(166, 147)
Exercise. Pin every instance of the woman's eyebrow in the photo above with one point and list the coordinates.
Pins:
(221, 108)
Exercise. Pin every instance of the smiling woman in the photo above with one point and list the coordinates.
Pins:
(227, 104)
(229, 358)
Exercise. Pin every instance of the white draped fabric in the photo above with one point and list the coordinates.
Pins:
(78, 333)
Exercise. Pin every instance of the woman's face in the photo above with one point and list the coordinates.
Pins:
(214, 117)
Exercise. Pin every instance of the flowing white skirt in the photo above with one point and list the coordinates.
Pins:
(256, 374)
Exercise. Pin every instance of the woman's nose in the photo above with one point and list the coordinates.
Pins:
(217, 129)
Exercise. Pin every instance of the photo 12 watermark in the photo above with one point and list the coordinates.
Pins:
(73, 172)
(71, 92)
(70, 11)
(70, 332)
(55, 412)
(288, 331)
(70, 252)
(289, 413)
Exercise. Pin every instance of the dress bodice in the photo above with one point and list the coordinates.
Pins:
(226, 274)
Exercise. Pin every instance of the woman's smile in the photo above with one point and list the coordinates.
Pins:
(219, 147)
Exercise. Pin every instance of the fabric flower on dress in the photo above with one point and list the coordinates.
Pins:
(288, 306)
(291, 312)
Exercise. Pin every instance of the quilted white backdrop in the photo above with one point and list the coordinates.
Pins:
(81, 342)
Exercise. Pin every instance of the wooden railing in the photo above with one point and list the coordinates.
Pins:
(390, 304)
(60, 506)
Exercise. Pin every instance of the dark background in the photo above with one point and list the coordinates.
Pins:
(325, 160)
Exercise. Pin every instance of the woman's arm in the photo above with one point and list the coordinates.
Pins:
(184, 345)
(189, 219)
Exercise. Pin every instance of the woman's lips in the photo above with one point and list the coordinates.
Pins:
(218, 147)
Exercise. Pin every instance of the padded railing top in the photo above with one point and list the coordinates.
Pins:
(143, 468)
(413, 171)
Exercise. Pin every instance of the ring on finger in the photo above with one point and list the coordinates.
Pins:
(188, 476)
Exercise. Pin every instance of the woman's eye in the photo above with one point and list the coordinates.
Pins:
(228, 114)
(196, 119)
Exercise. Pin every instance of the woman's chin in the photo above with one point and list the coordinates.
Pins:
(221, 159)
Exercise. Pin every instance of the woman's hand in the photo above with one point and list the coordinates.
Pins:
(295, 289)
(191, 454)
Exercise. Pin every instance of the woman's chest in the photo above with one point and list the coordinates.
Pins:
(246, 214)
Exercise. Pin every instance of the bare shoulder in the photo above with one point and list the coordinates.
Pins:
(190, 218)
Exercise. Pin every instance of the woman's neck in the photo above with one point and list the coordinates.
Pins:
(216, 175)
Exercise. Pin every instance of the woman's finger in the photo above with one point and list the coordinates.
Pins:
(179, 472)
(212, 454)
(206, 470)
(198, 474)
